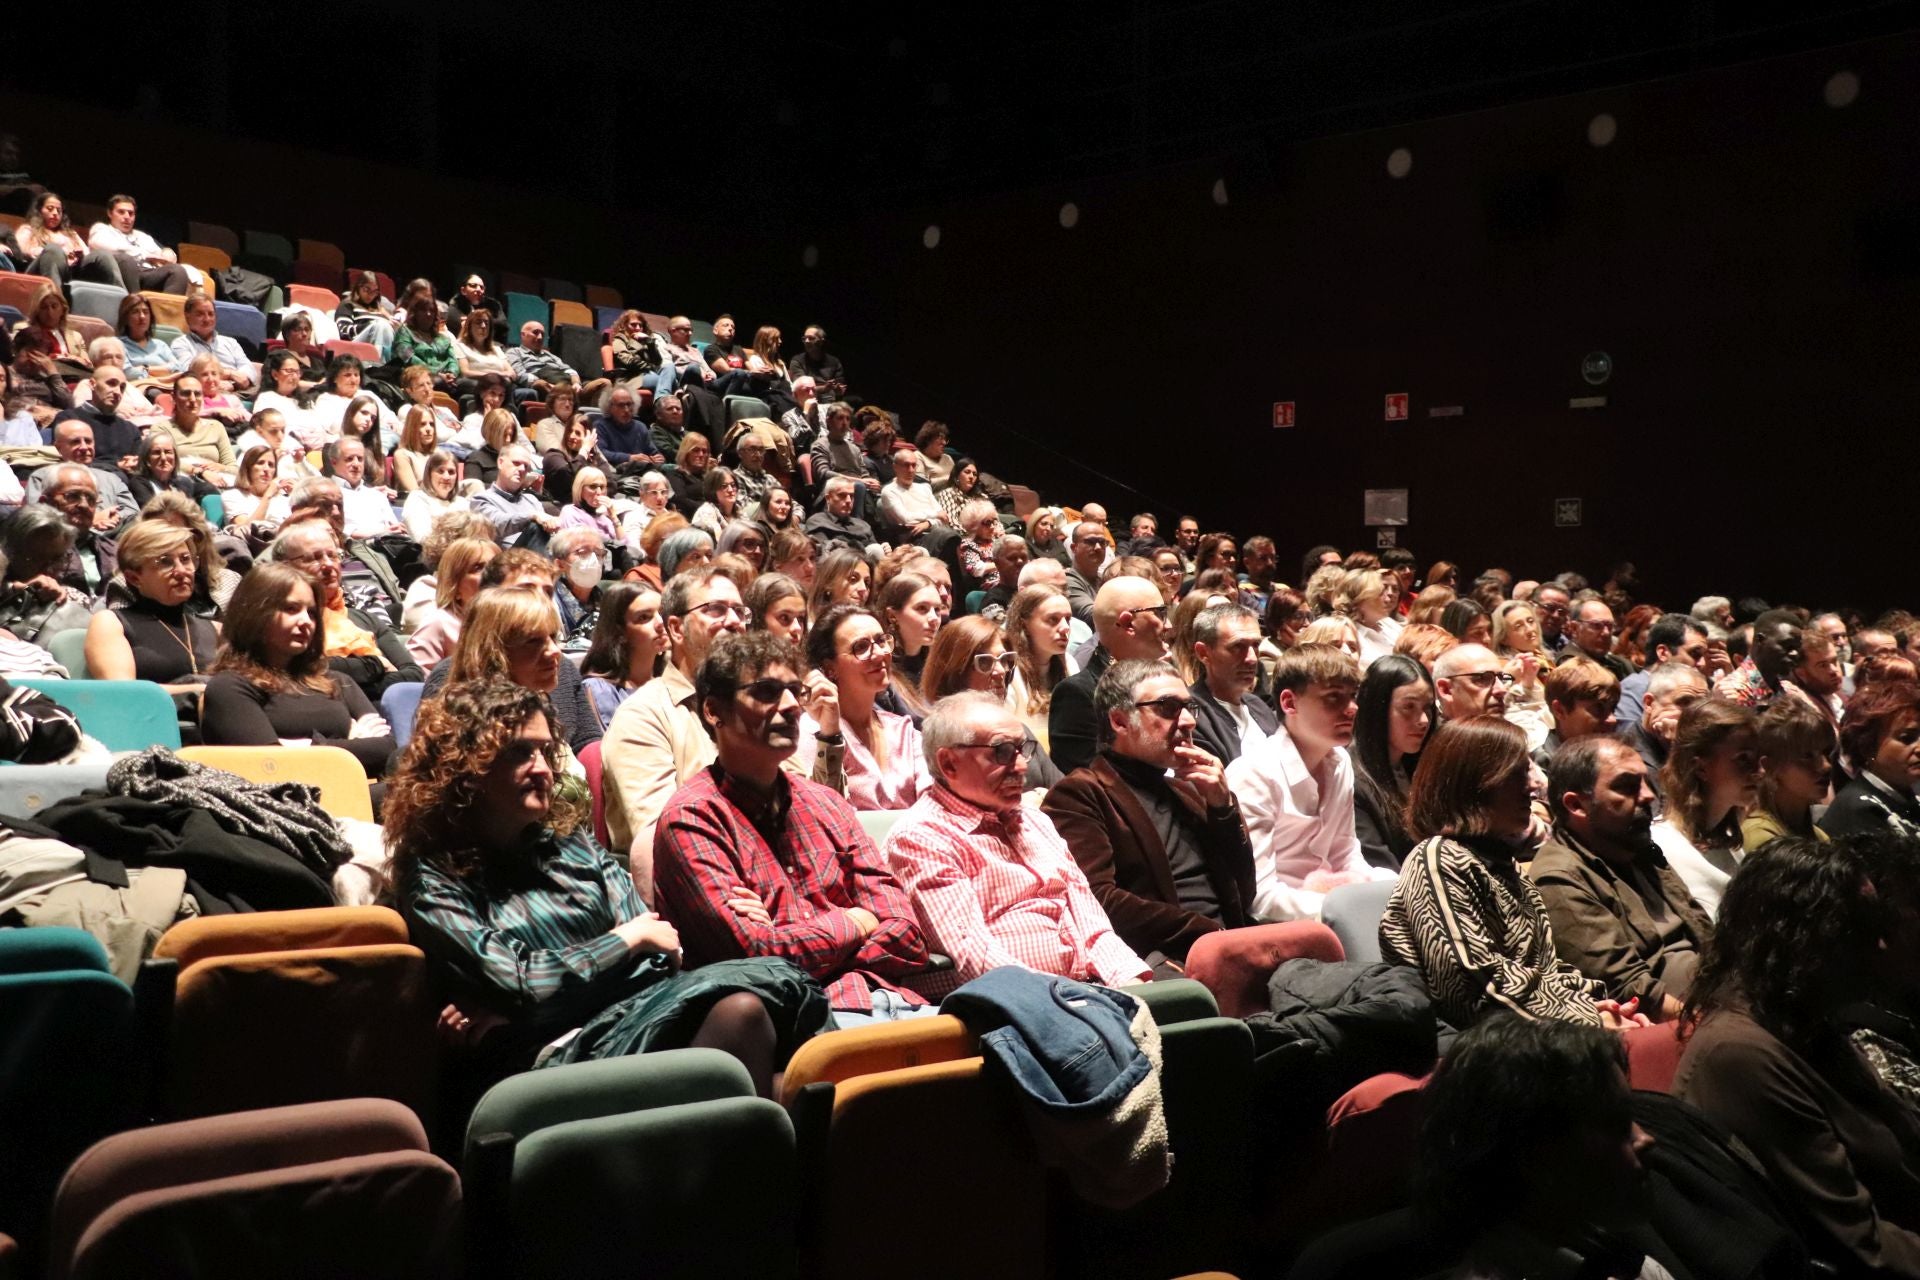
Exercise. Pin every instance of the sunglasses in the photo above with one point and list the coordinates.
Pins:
(1005, 751)
(769, 692)
(1171, 707)
(988, 663)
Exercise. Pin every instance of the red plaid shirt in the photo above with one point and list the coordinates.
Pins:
(807, 857)
(1000, 888)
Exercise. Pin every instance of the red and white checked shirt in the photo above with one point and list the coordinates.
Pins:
(807, 857)
(996, 888)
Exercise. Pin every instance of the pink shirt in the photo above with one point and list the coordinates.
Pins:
(869, 786)
(435, 638)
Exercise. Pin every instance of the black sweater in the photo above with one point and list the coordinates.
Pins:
(239, 713)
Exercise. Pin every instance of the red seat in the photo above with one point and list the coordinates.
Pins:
(322, 274)
(590, 762)
(17, 289)
(387, 290)
(365, 352)
(308, 295)
(1234, 964)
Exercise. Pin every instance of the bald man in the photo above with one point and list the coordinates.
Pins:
(1129, 621)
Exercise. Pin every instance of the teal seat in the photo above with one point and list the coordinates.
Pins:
(700, 1175)
(973, 602)
(877, 822)
(702, 333)
(739, 407)
(69, 649)
(101, 301)
(522, 307)
(124, 715)
(26, 789)
(215, 508)
(1353, 912)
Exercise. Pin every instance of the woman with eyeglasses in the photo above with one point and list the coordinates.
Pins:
(970, 654)
(748, 541)
(722, 505)
(848, 741)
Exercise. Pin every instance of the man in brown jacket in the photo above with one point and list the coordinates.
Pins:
(1620, 914)
(1167, 857)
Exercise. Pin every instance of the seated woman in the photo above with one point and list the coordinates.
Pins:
(778, 604)
(271, 683)
(478, 354)
(965, 488)
(1462, 913)
(217, 400)
(437, 495)
(775, 513)
(275, 415)
(1708, 781)
(1581, 696)
(792, 553)
(877, 763)
(746, 540)
(1880, 735)
(629, 647)
(1768, 1056)
(497, 431)
(971, 654)
(1516, 637)
(1468, 623)
(366, 316)
(1391, 724)
(364, 648)
(641, 361)
(154, 636)
(259, 495)
(535, 932)
(296, 333)
(418, 443)
(416, 384)
(577, 452)
(513, 632)
(979, 520)
(424, 341)
(691, 462)
(149, 360)
(580, 554)
(158, 471)
(329, 408)
(563, 408)
(1336, 631)
(841, 577)
(909, 607)
(1039, 628)
(1794, 744)
(214, 582)
(653, 543)
(722, 504)
(361, 421)
(51, 247)
(461, 566)
(45, 591)
(47, 317)
(767, 372)
(443, 533)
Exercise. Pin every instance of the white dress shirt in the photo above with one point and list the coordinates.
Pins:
(1299, 821)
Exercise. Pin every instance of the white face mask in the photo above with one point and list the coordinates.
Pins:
(583, 571)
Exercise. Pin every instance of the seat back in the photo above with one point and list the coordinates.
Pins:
(569, 312)
(169, 309)
(17, 289)
(208, 258)
(1653, 1055)
(241, 322)
(400, 704)
(522, 307)
(322, 274)
(213, 235)
(590, 764)
(604, 317)
(600, 295)
(323, 252)
(837, 1056)
(1353, 912)
(315, 296)
(269, 244)
(124, 715)
(580, 348)
(251, 932)
(340, 777)
(560, 290)
(364, 352)
(739, 407)
(69, 649)
(26, 789)
(514, 282)
(89, 327)
(98, 301)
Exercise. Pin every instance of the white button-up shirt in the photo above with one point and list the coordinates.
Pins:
(1300, 822)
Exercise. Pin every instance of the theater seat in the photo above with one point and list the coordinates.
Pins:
(345, 1188)
(666, 1161)
(1235, 964)
(17, 289)
(168, 309)
(209, 258)
(599, 295)
(242, 323)
(580, 348)
(124, 715)
(590, 764)
(213, 235)
(99, 301)
(604, 318)
(1353, 912)
(26, 789)
(322, 252)
(340, 777)
(524, 307)
(89, 327)
(364, 352)
(560, 290)
(318, 297)
(566, 312)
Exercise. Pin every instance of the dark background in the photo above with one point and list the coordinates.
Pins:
(1744, 252)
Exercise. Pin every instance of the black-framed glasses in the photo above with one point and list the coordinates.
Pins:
(768, 692)
(867, 646)
(1170, 707)
(988, 663)
(1005, 750)
(1487, 679)
(1157, 610)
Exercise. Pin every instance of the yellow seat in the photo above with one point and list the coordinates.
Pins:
(204, 256)
(837, 1056)
(565, 312)
(250, 932)
(342, 782)
(168, 308)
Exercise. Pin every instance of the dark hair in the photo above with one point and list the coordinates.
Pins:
(739, 659)
(341, 364)
(823, 635)
(1463, 762)
(1575, 767)
(1669, 629)
(1893, 862)
(768, 590)
(1282, 604)
(1787, 728)
(1871, 715)
(1310, 562)
(1375, 770)
(255, 601)
(1458, 616)
(1397, 558)
(1114, 690)
(607, 654)
(1509, 1083)
(1798, 928)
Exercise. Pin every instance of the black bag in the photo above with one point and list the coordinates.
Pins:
(237, 284)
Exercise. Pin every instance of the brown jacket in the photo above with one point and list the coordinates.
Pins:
(1601, 925)
(1114, 841)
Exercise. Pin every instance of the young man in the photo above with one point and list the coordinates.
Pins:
(509, 503)
(143, 262)
(1152, 822)
(1226, 645)
(752, 860)
(1296, 788)
(1672, 636)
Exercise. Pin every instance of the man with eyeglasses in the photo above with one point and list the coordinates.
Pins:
(993, 882)
(656, 740)
(1226, 647)
(752, 860)
(1296, 788)
(1470, 680)
(837, 525)
(1552, 603)
(1152, 822)
(1130, 621)
(1592, 632)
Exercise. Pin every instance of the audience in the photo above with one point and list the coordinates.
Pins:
(848, 741)
(1130, 621)
(1795, 748)
(1393, 718)
(1709, 782)
(1231, 719)
(154, 636)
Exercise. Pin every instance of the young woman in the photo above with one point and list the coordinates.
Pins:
(437, 494)
(970, 654)
(1391, 725)
(476, 350)
(441, 534)
(534, 931)
(361, 421)
(52, 248)
(851, 743)
(1795, 744)
(768, 372)
(458, 582)
(722, 504)
(1369, 604)
(154, 636)
(1039, 628)
(418, 443)
(1880, 735)
(748, 541)
(329, 408)
(1468, 623)
(1218, 551)
(366, 316)
(776, 512)
(791, 552)
(841, 577)
(149, 360)
(424, 341)
(909, 606)
(778, 604)
(1709, 779)
(498, 430)
(287, 397)
(629, 647)
(260, 494)
(271, 683)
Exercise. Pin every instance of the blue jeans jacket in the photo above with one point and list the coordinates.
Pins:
(1066, 1044)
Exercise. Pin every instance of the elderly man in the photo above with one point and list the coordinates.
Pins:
(656, 740)
(1152, 821)
(366, 509)
(909, 507)
(73, 441)
(580, 554)
(143, 262)
(669, 426)
(696, 386)
(993, 883)
(1761, 676)
(622, 437)
(74, 491)
(1673, 636)
(1470, 680)
(751, 859)
(360, 644)
(1088, 549)
(837, 526)
(1011, 554)
(1672, 687)
(369, 582)
(816, 362)
(536, 366)
(1620, 914)
(1715, 613)
(752, 475)
(514, 509)
(1226, 648)
(1130, 621)
(115, 439)
(203, 338)
(1592, 633)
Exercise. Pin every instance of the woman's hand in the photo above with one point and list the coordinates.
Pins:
(371, 725)
(649, 934)
(1525, 668)
(1615, 1016)
(461, 1029)
(823, 703)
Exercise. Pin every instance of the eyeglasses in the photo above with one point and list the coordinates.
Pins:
(1157, 610)
(318, 557)
(867, 646)
(1005, 750)
(988, 663)
(1601, 625)
(1486, 679)
(1171, 707)
(720, 611)
(769, 692)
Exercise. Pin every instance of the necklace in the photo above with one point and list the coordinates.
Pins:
(186, 629)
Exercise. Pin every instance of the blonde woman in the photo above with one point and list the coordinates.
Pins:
(1516, 638)
(1334, 630)
(418, 442)
(436, 495)
(461, 566)
(1039, 627)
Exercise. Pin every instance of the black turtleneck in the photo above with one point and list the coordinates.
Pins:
(1180, 829)
(159, 636)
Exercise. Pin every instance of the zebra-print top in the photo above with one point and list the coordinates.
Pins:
(1476, 929)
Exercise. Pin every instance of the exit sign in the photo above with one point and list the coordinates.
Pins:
(1283, 413)
(1397, 406)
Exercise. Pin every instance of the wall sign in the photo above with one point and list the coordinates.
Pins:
(1566, 513)
(1283, 413)
(1386, 507)
(1384, 538)
(1596, 367)
(1397, 406)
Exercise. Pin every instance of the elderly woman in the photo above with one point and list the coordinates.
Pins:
(366, 316)
(1516, 637)
(971, 654)
(296, 332)
(849, 742)
(629, 647)
(1880, 735)
(154, 636)
(214, 583)
(1462, 913)
(158, 471)
(547, 951)
(656, 497)
(681, 551)
(591, 507)
(1709, 781)
(271, 683)
(43, 594)
(581, 555)
(1039, 627)
(931, 460)
(461, 565)
(979, 520)
(513, 632)
(1043, 537)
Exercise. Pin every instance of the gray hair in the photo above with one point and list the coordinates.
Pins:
(1036, 569)
(62, 468)
(950, 723)
(306, 490)
(1706, 611)
(677, 546)
(564, 542)
(1206, 626)
(731, 533)
(1664, 677)
(652, 477)
(1458, 659)
(284, 542)
(1009, 542)
(975, 510)
(33, 521)
(101, 348)
(835, 483)
(1118, 683)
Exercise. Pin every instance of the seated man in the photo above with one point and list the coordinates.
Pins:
(1761, 676)
(202, 444)
(820, 364)
(360, 644)
(753, 860)
(694, 382)
(368, 580)
(1620, 915)
(669, 426)
(1130, 621)
(1088, 549)
(143, 262)
(1674, 687)
(1470, 680)
(74, 491)
(993, 883)
(836, 525)
(1581, 695)
(366, 509)
(1226, 648)
(1296, 788)
(203, 338)
(114, 436)
(73, 441)
(622, 437)
(1152, 822)
(834, 452)
(513, 508)
(908, 506)
(1673, 636)
(536, 366)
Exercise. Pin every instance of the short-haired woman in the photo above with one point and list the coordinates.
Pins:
(1709, 781)
(931, 460)
(271, 683)
(851, 743)
(459, 575)
(1880, 736)
(628, 649)
(154, 636)
(979, 521)
(296, 336)
(1039, 626)
(1391, 725)
(158, 470)
(1462, 913)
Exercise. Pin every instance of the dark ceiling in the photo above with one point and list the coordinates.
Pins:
(763, 112)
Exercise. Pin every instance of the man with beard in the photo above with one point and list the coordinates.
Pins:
(1818, 675)
(752, 860)
(1226, 648)
(1620, 914)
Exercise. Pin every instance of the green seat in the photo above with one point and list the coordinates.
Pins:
(124, 715)
(69, 649)
(699, 1175)
(522, 307)
(215, 508)
(739, 407)
(702, 333)
(1175, 1000)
